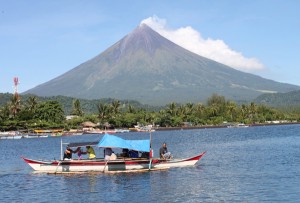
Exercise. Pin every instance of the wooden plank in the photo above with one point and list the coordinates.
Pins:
(109, 172)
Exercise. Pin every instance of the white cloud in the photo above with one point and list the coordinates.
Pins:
(214, 49)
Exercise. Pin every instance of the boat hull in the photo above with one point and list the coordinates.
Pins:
(16, 137)
(100, 165)
(35, 136)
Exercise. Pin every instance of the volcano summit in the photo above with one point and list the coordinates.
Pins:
(147, 67)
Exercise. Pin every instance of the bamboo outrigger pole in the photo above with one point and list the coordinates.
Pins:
(150, 153)
(61, 150)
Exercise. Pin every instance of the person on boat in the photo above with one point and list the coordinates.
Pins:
(145, 155)
(164, 153)
(133, 154)
(68, 153)
(79, 152)
(125, 153)
(90, 151)
(107, 153)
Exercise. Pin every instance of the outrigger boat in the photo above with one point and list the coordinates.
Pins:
(120, 164)
(12, 135)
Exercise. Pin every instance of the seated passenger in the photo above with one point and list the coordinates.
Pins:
(68, 153)
(145, 155)
(107, 153)
(125, 153)
(133, 154)
(90, 151)
(164, 153)
(79, 152)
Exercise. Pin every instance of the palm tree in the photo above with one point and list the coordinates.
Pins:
(32, 103)
(116, 107)
(152, 118)
(244, 111)
(15, 105)
(77, 108)
(182, 112)
(164, 118)
(131, 109)
(200, 109)
(213, 109)
(172, 109)
(231, 108)
(252, 112)
(103, 111)
(216, 99)
(4, 112)
(189, 108)
(142, 114)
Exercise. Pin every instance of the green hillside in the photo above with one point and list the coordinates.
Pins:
(88, 106)
(288, 102)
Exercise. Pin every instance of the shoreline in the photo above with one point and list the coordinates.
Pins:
(219, 126)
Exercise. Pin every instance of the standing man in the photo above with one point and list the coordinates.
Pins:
(164, 153)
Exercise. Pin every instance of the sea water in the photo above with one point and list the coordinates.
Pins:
(255, 164)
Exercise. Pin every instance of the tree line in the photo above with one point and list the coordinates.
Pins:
(31, 114)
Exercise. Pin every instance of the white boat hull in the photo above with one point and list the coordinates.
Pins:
(101, 165)
(17, 137)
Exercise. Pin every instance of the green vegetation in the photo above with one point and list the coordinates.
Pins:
(87, 106)
(286, 102)
(30, 112)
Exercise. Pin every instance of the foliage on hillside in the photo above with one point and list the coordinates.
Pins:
(287, 102)
(33, 113)
(88, 106)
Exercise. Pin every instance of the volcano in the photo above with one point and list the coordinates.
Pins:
(146, 67)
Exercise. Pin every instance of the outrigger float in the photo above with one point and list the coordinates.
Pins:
(121, 164)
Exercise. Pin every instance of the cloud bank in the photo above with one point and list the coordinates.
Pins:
(217, 50)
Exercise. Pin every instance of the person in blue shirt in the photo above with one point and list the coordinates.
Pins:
(133, 154)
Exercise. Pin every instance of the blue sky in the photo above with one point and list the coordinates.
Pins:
(40, 40)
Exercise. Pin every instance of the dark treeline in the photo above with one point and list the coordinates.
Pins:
(281, 99)
(88, 106)
(29, 112)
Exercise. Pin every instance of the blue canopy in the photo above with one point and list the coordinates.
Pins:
(112, 141)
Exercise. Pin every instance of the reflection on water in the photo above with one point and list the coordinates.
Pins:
(92, 178)
(256, 164)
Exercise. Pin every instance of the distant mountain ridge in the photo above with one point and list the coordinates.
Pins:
(146, 67)
(280, 99)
